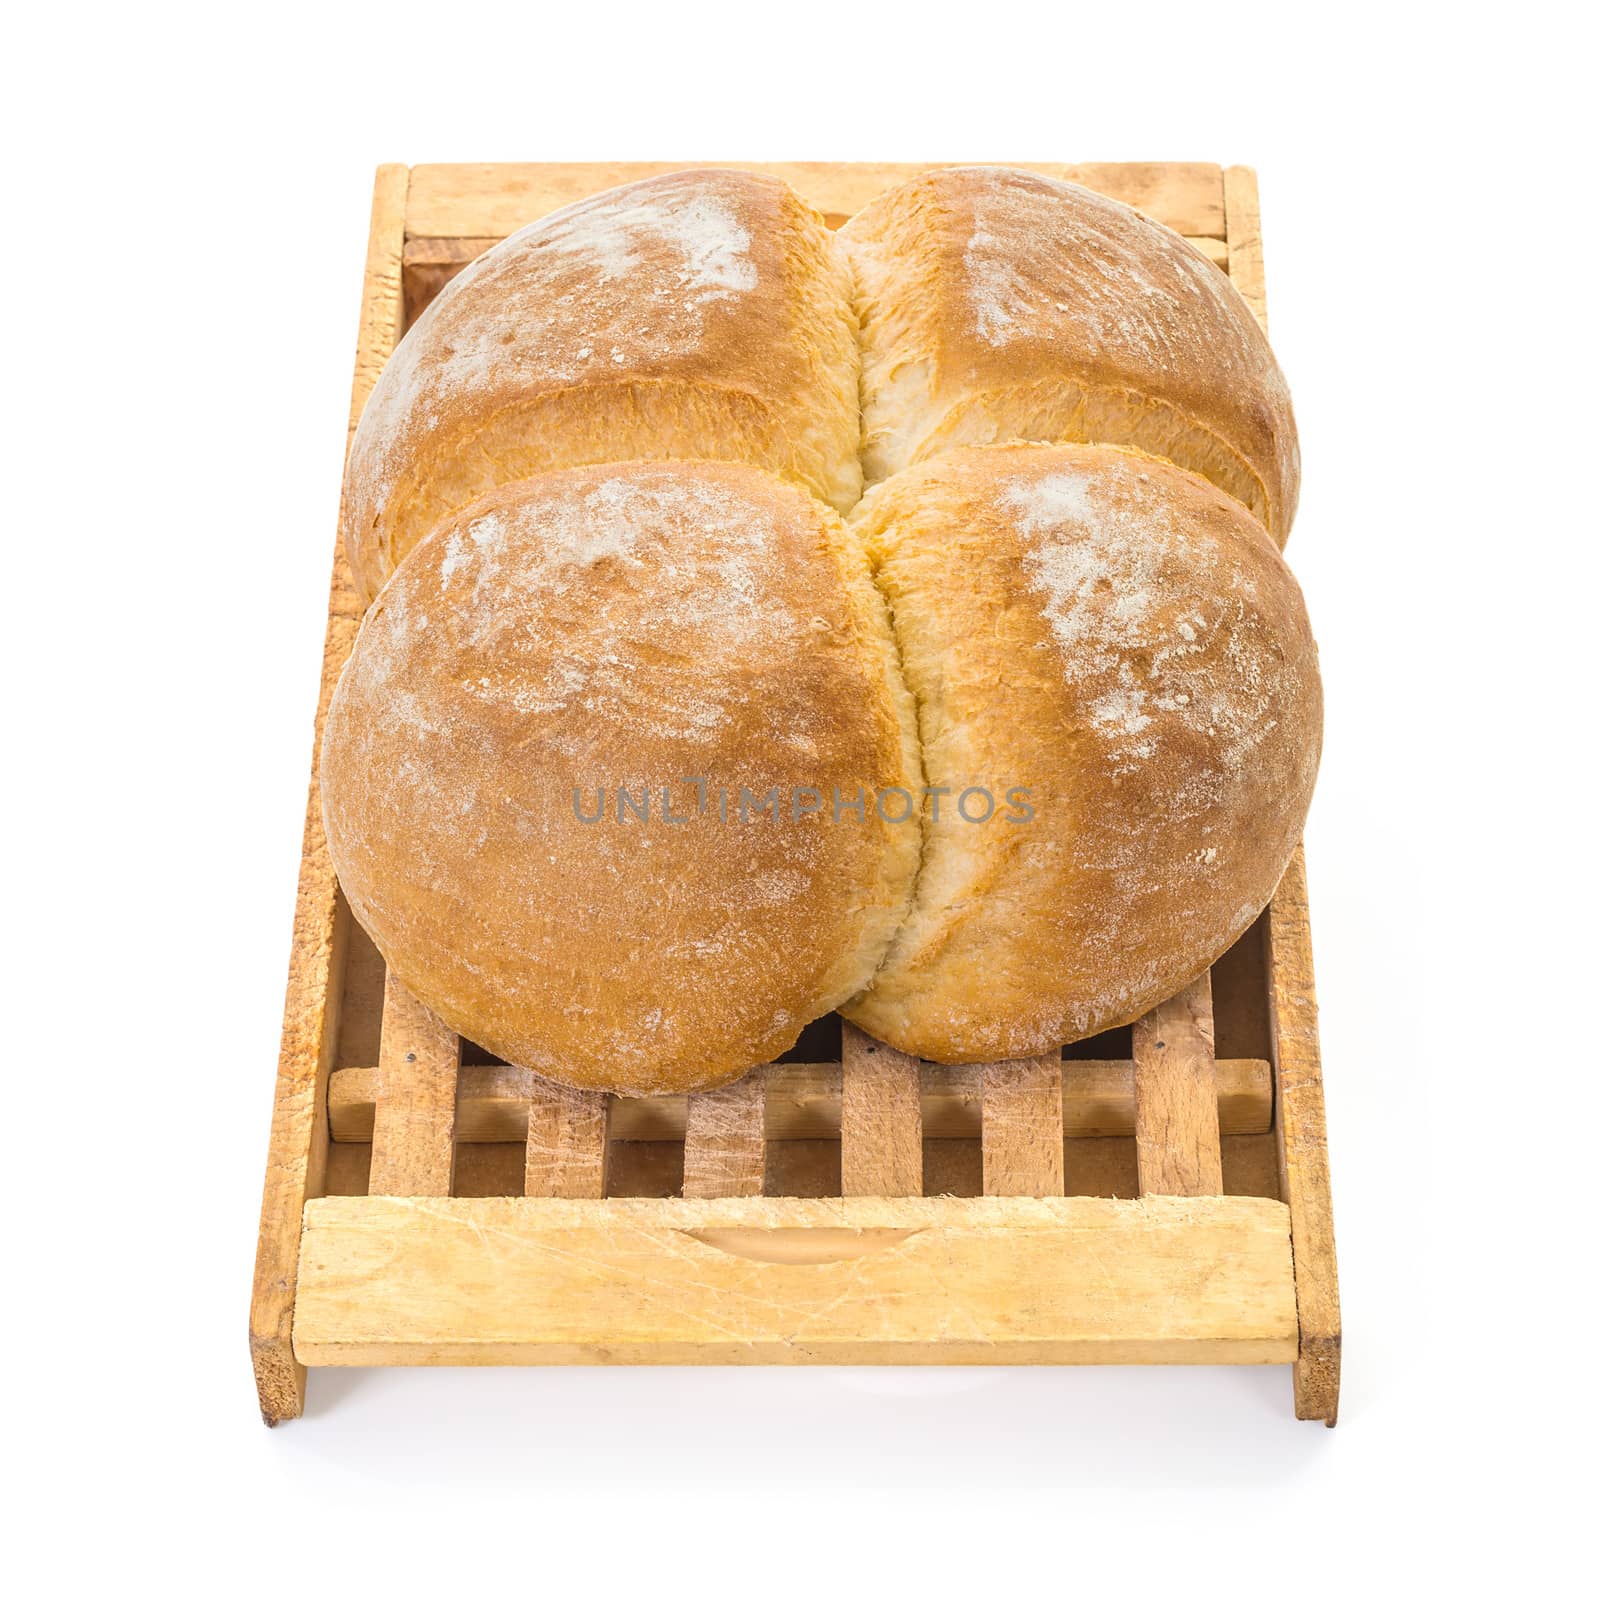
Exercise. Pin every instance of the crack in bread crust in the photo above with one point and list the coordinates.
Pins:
(1120, 638)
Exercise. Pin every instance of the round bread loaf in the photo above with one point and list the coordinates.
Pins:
(583, 776)
(1114, 647)
(997, 304)
(701, 314)
(702, 638)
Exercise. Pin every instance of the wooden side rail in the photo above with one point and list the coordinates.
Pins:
(297, 1153)
(1303, 1179)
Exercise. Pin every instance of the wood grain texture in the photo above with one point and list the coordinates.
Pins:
(1303, 1147)
(298, 1145)
(431, 263)
(880, 1118)
(502, 1282)
(725, 1142)
(1300, 1119)
(382, 296)
(860, 1279)
(804, 1101)
(567, 1142)
(1245, 264)
(414, 1119)
(491, 200)
(360, 1014)
(1177, 1136)
(1022, 1132)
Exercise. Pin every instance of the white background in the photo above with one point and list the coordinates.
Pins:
(186, 201)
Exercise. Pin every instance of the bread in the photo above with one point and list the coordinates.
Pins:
(1122, 641)
(598, 488)
(997, 304)
(700, 314)
(631, 626)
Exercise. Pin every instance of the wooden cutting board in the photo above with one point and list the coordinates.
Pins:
(1159, 1194)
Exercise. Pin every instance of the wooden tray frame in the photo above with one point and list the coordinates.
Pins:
(389, 1237)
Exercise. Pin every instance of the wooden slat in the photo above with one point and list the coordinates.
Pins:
(501, 1282)
(414, 1120)
(1303, 1146)
(803, 1101)
(429, 253)
(725, 1143)
(495, 199)
(880, 1118)
(431, 263)
(298, 1148)
(1245, 264)
(1022, 1132)
(1177, 1138)
(567, 1142)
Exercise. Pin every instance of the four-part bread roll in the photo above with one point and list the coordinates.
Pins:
(644, 759)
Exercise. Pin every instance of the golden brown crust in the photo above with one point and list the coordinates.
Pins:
(1104, 630)
(997, 304)
(1121, 639)
(630, 626)
(700, 314)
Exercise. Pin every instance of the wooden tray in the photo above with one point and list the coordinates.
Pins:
(1160, 1195)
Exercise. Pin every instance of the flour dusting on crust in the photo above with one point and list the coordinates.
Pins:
(1135, 291)
(1138, 597)
(999, 304)
(700, 314)
(710, 245)
(617, 285)
(634, 628)
(707, 555)
(1122, 639)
